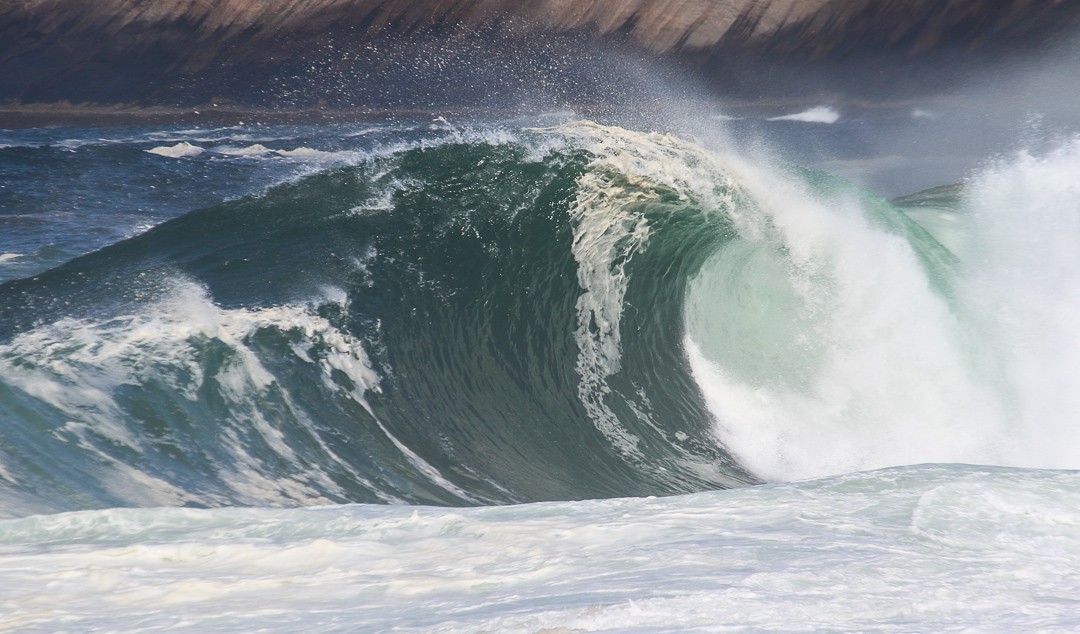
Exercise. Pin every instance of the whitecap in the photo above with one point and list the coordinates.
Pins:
(182, 149)
(310, 154)
(817, 114)
(257, 149)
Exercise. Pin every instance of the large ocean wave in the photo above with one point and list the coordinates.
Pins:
(549, 314)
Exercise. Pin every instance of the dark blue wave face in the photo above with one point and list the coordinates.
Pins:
(408, 329)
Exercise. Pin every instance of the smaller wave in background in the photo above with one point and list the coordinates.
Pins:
(182, 149)
(817, 114)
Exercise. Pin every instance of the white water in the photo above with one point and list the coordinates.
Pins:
(817, 114)
(182, 149)
(821, 343)
(1023, 283)
(930, 549)
(81, 368)
(822, 346)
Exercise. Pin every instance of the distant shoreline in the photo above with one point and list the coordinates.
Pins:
(47, 115)
(52, 115)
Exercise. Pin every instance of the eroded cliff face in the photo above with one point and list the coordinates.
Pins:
(348, 50)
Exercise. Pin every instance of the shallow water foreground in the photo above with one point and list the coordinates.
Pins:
(927, 549)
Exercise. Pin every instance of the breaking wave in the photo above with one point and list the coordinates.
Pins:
(565, 313)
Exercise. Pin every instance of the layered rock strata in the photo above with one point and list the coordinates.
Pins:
(158, 51)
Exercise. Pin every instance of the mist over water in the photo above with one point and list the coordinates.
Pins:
(894, 138)
(832, 344)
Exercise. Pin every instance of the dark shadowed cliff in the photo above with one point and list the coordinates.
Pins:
(401, 53)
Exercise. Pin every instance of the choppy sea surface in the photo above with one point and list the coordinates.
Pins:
(539, 374)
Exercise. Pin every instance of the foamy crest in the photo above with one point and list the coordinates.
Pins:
(823, 343)
(1023, 288)
(83, 368)
(182, 149)
(610, 229)
(257, 149)
(311, 154)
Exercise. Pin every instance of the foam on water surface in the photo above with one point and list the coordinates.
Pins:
(831, 337)
(919, 549)
(182, 149)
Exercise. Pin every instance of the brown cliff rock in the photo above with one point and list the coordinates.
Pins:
(155, 50)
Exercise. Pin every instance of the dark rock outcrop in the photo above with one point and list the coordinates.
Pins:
(393, 53)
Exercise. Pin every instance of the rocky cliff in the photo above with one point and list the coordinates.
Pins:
(394, 52)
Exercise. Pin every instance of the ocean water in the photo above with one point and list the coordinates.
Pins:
(543, 375)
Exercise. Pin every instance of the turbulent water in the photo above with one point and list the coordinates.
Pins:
(620, 344)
